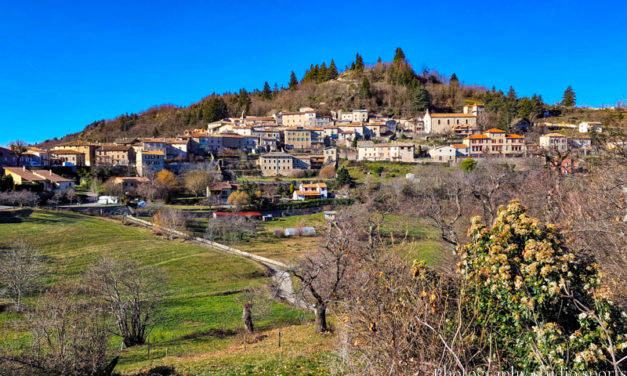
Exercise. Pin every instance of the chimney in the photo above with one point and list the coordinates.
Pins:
(23, 168)
(50, 172)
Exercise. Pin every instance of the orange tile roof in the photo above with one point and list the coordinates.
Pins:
(307, 193)
(514, 136)
(315, 185)
(478, 137)
(152, 152)
(555, 135)
(494, 130)
(459, 145)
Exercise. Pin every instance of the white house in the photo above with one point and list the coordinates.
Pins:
(589, 126)
(309, 191)
(556, 141)
(443, 154)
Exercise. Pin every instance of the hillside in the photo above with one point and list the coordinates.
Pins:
(390, 88)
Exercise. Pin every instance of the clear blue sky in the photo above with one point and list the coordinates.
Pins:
(65, 64)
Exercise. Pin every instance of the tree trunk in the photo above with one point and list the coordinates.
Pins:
(321, 318)
(247, 318)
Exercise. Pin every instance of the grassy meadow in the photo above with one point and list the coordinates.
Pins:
(201, 311)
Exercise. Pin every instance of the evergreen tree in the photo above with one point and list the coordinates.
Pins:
(569, 99)
(243, 101)
(420, 98)
(343, 177)
(454, 81)
(399, 56)
(511, 94)
(379, 60)
(293, 80)
(214, 109)
(266, 93)
(364, 89)
(332, 71)
(359, 63)
(352, 66)
(322, 73)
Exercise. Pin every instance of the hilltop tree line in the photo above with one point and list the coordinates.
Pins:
(393, 88)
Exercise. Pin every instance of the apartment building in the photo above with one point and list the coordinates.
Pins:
(495, 143)
(88, 150)
(116, 155)
(392, 152)
(149, 162)
(298, 139)
(445, 123)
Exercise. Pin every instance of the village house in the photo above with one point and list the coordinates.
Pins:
(318, 188)
(355, 116)
(445, 123)
(298, 139)
(554, 141)
(221, 190)
(446, 153)
(154, 144)
(298, 119)
(149, 162)
(276, 163)
(115, 155)
(49, 180)
(37, 156)
(495, 143)
(7, 157)
(590, 126)
(580, 142)
(474, 109)
(177, 148)
(330, 155)
(130, 183)
(68, 157)
(88, 149)
(392, 152)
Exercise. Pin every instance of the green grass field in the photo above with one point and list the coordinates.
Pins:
(201, 303)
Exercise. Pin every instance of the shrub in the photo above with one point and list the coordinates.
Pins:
(544, 308)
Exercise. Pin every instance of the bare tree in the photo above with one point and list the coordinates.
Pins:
(21, 267)
(70, 334)
(324, 274)
(440, 196)
(24, 198)
(70, 194)
(19, 147)
(131, 293)
(169, 219)
(197, 181)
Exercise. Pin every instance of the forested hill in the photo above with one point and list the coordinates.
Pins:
(391, 88)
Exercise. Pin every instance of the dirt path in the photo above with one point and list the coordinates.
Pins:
(278, 270)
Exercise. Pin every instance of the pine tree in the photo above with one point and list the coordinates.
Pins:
(454, 81)
(322, 73)
(364, 89)
(243, 100)
(511, 94)
(293, 80)
(399, 56)
(379, 60)
(343, 177)
(359, 63)
(569, 99)
(420, 99)
(332, 71)
(266, 93)
(214, 109)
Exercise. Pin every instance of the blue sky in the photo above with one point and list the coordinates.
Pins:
(65, 64)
